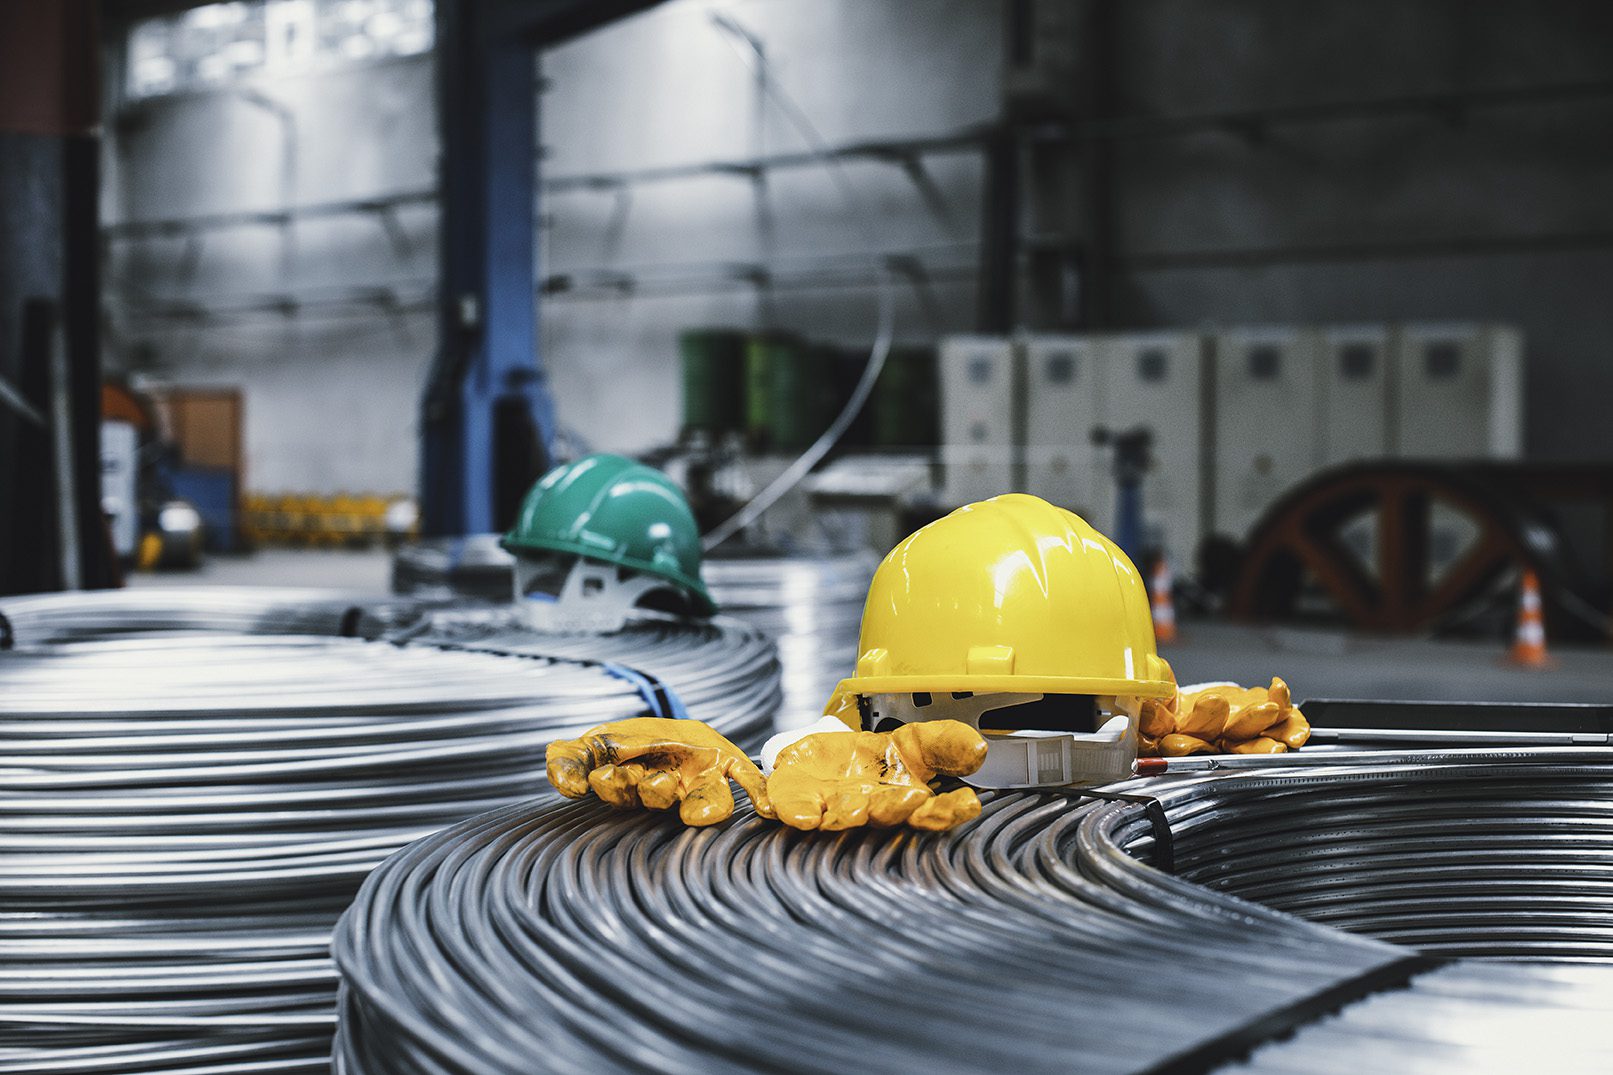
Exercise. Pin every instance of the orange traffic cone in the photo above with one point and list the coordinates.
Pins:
(1529, 643)
(1163, 607)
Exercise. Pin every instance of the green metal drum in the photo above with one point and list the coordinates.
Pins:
(713, 379)
(906, 402)
(760, 349)
(802, 394)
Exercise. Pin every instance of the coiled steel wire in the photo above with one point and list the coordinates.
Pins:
(1499, 860)
(474, 566)
(1468, 1017)
(91, 614)
(811, 606)
(559, 936)
(187, 810)
(724, 672)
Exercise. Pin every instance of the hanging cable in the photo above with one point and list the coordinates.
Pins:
(746, 47)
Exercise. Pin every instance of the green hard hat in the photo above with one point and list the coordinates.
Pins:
(612, 509)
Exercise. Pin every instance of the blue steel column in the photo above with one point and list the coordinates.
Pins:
(487, 357)
(487, 330)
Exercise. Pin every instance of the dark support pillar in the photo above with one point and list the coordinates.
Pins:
(1100, 299)
(1033, 273)
(49, 304)
(1047, 261)
(999, 246)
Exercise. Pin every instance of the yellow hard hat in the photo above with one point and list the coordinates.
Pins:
(1011, 594)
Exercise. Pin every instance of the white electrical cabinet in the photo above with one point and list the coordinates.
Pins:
(1355, 396)
(1266, 413)
(981, 387)
(1156, 380)
(1459, 391)
(1239, 417)
(1062, 407)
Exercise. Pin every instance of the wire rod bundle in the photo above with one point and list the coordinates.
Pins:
(1465, 860)
(1483, 859)
(560, 936)
(722, 671)
(1464, 1018)
(64, 617)
(185, 811)
(810, 605)
(474, 566)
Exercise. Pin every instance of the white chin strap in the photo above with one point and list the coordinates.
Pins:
(1024, 759)
(594, 598)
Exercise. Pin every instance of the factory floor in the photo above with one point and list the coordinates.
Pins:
(1337, 664)
(1316, 663)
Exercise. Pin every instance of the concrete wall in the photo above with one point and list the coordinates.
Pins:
(331, 391)
(669, 88)
(1497, 214)
(331, 394)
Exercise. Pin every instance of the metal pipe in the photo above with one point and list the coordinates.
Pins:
(61, 422)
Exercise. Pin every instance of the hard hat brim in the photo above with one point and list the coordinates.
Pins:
(1125, 688)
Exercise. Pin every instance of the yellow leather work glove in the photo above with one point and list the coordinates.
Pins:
(1157, 719)
(653, 762)
(1230, 720)
(842, 780)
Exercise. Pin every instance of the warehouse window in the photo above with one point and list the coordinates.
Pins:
(1442, 361)
(1356, 361)
(1151, 365)
(1060, 367)
(220, 43)
(1265, 362)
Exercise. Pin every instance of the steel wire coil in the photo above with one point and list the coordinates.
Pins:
(186, 810)
(724, 672)
(560, 936)
(811, 606)
(59, 617)
(1469, 1017)
(1499, 861)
